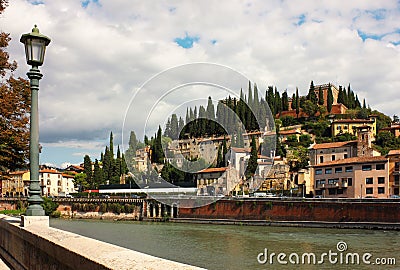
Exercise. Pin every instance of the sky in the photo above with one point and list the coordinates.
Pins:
(108, 61)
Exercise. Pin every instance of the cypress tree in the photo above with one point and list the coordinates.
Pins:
(321, 96)
(112, 145)
(98, 177)
(297, 102)
(293, 104)
(224, 151)
(278, 102)
(219, 157)
(311, 94)
(250, 97)
(285, 101)
(329, 100)
(252, 163)
(106, 164)
(87, 169)
(174, 127)
(210, 121)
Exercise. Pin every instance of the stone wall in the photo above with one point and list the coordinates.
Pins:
(42, 248)
(307, 210)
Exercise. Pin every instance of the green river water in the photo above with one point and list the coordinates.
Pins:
(237, 247)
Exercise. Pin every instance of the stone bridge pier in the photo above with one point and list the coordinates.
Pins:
(153, 209)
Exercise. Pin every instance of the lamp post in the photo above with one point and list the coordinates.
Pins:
(35, 47)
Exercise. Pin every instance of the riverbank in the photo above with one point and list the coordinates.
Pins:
(367, 214)
(303, 224)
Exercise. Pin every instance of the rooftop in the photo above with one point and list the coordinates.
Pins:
(332, 145)
(360, 121)
(211, 170)
(394, 152)
(353, 160)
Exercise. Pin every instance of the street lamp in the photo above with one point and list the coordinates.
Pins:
(35, 47)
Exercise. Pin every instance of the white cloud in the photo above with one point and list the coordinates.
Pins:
(99, 55)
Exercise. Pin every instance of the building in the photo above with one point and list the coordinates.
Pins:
(394, 129)
(16, 184)
(324, 152)
(55, 183)
(142, 159)
(276, 176)
(394, 171)
(74, 168)
(352, 126)
(351, 169)
(216, 181)
(356, 177)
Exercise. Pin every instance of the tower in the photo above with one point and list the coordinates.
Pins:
(364, 141)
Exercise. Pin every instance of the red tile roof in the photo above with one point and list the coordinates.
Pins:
(241, 150)
(289, 132)
(332, 145)
(18, 172)
(394, 152)
(211, 170)
(353, 160)
(49, 171)
(352, 121)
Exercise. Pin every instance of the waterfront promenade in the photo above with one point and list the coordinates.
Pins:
(42, 247)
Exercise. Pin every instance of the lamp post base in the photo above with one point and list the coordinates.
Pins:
(41, 221)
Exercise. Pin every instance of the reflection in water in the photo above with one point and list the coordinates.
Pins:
(235, 247)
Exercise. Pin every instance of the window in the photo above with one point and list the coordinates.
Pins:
(332, 191)
(381, 180)
(349, 169)
(381, 190)
(333, 157)
(345, 127)
(338, 170)
(321, 159)
(369, 190)
(328, 171)
(333, 181)
(349, 182)
(340, 191)
(338, 127)
(366, 167)
(369, 180)
(380, 167)
(345, 156)
(322, 181)
(318, 171)
(317, 183)
(396, 179)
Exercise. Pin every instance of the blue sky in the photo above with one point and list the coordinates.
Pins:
(102, 52)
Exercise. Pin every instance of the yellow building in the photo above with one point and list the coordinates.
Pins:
(351, 126)
(14, 185)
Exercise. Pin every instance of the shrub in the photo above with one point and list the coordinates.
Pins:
(49, 206)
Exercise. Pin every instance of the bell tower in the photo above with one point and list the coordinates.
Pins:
(364, 141)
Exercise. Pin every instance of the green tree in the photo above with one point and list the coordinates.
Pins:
(320, 96)
(285, 101)
(14, 110)
(297, 103)
(158, 153)
(98, 177)
(311, 94)
(87, 169)
(329, 99)
(310, 108)
(252, 163)
(81, 182)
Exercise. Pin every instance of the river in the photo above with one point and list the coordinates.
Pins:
(237, 247)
